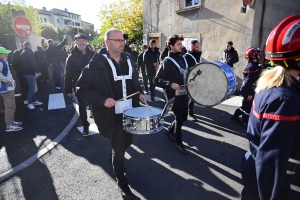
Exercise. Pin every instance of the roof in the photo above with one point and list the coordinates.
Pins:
(53, 9)
(87, 22)
(44, 12)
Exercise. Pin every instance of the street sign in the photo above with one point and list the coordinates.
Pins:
(22, 26)
(248, 2)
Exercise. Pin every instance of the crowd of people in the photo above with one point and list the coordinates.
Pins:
(103, 77)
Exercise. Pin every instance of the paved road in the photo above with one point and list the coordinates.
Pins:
(78, 167)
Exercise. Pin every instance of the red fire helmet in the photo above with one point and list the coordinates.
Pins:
(251, 53)
(283, 42)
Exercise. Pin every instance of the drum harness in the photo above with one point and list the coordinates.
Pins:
(182, 71)
(293, 165)
(118, 78)
(194, 58)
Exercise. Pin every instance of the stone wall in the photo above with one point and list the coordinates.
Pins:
(215, 22)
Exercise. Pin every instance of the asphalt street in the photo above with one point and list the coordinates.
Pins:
(78, 168)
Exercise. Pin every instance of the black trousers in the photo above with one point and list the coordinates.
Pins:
(180, 110)
(82, 103)
(152, 86)
(45, 75)
(23, 85)
(121, 140)
(244, 110)
(145, 80)
(191, 107)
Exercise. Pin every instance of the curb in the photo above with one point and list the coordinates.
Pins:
(8, 174)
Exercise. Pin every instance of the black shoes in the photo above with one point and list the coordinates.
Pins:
(181, 149)
(193, 117)
(126, 192)
(85, 131)
(235, 118)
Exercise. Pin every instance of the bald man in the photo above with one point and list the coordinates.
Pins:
(101, 83)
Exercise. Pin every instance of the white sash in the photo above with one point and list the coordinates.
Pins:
(192, 57)
(121, 106)
(181, 90)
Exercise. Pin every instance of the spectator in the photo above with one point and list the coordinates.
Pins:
(126, 47)
(133, 53)
(230, 55)
(52, 55)
(7, 86)
(141, 67)
(79, 58)
(40, 57)
(17, 67)
(29, 70)
(151, 57)
(165, 53)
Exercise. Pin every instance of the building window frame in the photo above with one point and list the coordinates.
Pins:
(194, 4)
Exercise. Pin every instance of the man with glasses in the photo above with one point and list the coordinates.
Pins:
(107, 79)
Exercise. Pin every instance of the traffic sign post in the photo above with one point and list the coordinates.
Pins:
(22, 26)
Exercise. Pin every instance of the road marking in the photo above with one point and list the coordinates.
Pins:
(56, 101)
(93, 129)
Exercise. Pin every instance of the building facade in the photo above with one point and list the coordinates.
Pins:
(60, 18)
(214, 23)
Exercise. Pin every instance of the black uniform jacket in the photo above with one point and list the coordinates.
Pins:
(75, 64)
(151, 57)
(169, 73)
(95, 85)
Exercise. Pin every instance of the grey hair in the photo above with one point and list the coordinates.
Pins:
(109, 31)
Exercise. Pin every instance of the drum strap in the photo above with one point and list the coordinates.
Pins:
(123, 78)
(192, 57)
(182, 71)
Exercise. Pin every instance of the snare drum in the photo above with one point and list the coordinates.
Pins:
(143, 120)
(212, 83)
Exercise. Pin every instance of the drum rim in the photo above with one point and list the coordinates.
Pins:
(187, 89)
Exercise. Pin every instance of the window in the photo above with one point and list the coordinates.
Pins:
(45, 20)
(189, 3)
(57, 21)
(187, 42)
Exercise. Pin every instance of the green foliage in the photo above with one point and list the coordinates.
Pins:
(125, 15)
(48, 31)
(7, 19)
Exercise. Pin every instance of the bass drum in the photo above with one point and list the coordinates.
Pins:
(211, 83)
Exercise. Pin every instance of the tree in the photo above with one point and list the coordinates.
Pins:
(7, 20)
(125, 15)
(48, 31)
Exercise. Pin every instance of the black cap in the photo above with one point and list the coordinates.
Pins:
(125, 36)
(80, 35)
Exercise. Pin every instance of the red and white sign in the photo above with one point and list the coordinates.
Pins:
(248, 2)
(22, 26)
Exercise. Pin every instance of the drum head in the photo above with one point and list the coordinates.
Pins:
(211, 84)
(142, 112)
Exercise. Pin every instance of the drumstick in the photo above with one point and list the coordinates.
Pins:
(127, 96)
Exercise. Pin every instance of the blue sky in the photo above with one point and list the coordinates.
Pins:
(88, 9)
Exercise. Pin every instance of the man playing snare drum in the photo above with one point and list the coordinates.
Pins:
(108, 78)
(171, 76)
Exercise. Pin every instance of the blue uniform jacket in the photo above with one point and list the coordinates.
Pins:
(274, 126)
(251, 74)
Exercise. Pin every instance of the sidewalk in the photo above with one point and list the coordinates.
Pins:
(40, 127)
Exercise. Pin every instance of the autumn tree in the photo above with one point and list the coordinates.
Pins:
(7, 19)
(125, 15)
